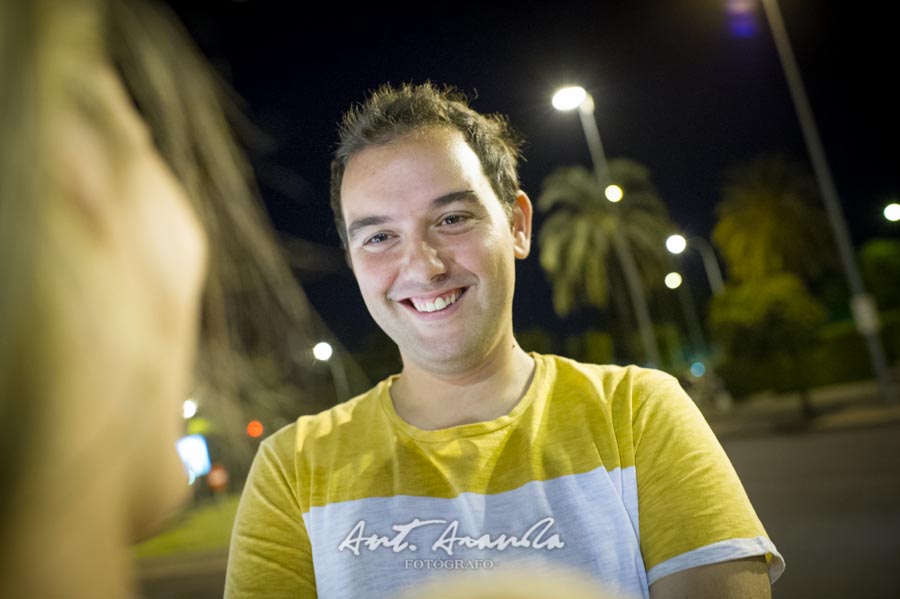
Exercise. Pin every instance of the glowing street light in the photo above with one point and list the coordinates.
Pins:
(676, 244)
(570, 98)
(613, 193)
(673, 280)
(322, 351)
(892, 212)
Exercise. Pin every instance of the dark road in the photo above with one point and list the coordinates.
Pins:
(831, 503)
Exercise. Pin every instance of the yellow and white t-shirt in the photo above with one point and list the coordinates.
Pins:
(609, 470)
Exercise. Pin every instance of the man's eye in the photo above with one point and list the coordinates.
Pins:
(376, 239)
(453, 219)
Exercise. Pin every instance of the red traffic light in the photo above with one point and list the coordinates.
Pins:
(255, 428)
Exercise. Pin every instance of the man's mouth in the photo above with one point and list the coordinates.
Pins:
(436, 303)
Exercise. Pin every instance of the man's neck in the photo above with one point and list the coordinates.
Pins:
(431, 401)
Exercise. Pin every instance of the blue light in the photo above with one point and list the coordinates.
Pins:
(742, 18)
(194, 455)
(698, 369)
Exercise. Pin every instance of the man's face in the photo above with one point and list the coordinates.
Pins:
(432, 248)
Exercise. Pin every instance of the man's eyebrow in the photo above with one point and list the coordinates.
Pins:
(361, 223)
(465, 195)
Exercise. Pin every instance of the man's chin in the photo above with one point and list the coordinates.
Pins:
(441, 357)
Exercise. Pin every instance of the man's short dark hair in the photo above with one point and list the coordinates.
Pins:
(393, 112)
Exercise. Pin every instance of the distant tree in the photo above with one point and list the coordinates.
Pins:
(576, 246)
(378, 357)
(880, 265)
(537, 339)
(766, 327)
(595, 347)
(771, 220)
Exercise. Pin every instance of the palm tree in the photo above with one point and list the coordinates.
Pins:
(576, 246)
(771, 221)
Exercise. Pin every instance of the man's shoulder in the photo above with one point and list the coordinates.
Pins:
(609, 377)
(347, 420)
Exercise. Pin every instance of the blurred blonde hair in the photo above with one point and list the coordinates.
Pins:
(252, 306)
(515, 582)
(39, 42)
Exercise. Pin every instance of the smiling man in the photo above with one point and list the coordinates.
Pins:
(480, 455)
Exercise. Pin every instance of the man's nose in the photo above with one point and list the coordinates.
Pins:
(424, 262)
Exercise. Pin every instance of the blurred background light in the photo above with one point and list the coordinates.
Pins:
(569, 98)
(673, 280)
(742, 21)
(189, 409)
(255, 429)
(194, 454)
(322, 351)
(676, 243)
(613, 193)
(892, 212)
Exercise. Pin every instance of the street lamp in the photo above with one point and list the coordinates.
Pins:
(570, 98)
(323, 352)
(676, 244)
(613, 193)
(892, 212)
(675, 281)
(865, 313)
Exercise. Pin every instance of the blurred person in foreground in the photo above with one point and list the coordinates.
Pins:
(479, 455)
(128, 224)
(512, 583)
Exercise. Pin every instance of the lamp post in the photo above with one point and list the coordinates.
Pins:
(676, 244)
(323, 352)
(570, 98)
(675, 281)
(865, 313)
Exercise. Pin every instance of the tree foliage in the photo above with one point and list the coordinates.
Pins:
(764, 317)
(576, 246)
(771, 221)
(880, 265)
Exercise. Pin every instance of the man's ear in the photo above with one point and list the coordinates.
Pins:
(521, 225)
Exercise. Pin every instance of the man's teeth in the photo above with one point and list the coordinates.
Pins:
(438, 303)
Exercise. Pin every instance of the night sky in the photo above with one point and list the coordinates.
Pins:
(679, 86)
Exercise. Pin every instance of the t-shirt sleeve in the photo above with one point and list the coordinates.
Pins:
(270, 554)
(692, 507)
